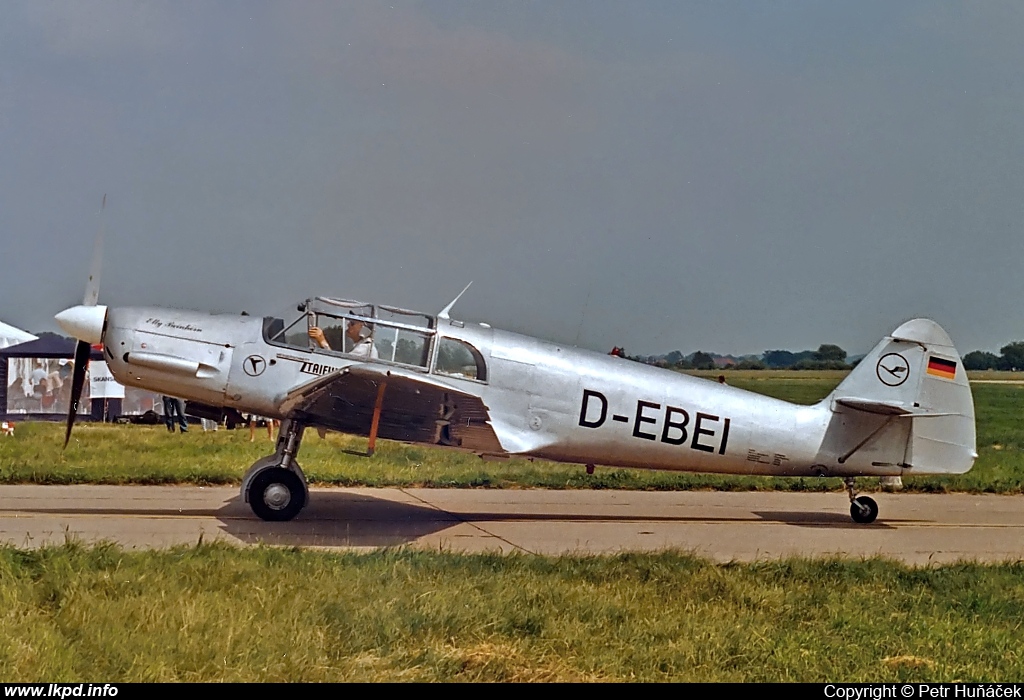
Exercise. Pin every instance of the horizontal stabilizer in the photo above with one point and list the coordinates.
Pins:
(887, 408)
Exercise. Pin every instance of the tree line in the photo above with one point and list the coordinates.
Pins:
(1009, 359)
(827, 356)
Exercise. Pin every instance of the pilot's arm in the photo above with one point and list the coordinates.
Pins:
(318, 337)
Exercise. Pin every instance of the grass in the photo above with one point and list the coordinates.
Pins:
(214, 613)
(150, 455)
(217, 613)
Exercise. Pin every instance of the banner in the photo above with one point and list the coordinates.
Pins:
(102, 384)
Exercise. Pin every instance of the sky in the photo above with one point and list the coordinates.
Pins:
(728, 177)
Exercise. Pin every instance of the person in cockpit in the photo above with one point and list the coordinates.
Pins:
(362, 346)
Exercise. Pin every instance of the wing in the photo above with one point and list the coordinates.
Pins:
(415, 408)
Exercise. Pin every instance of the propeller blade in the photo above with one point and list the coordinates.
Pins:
(92, 287)
(82, 351)
(85, 321)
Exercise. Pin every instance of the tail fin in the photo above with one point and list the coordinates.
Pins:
(912, 390)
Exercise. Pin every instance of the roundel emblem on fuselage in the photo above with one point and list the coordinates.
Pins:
(254, 365)
(892, 369)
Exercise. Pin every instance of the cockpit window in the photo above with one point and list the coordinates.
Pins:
(273, 328)
(349, 335)
(404, 317)
(274, 331)
(456, 358)
(353, 328)
(404, 345)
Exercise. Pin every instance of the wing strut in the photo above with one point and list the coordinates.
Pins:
(376, 419)
(374, 424)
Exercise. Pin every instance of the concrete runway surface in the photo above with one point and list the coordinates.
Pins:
(917, 529)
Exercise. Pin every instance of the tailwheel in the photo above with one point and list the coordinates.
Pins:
(863, 510)
(277, 494)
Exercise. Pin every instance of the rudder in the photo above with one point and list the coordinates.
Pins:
(916, 375)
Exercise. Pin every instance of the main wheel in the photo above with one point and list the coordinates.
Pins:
(277, 494)
(864, 510)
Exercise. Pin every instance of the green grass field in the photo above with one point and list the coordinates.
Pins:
(213, 613)
(149, 455)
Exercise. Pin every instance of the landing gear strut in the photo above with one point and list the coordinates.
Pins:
(863, 509)
(275, 487)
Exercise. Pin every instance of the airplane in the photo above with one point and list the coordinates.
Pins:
(386, 372)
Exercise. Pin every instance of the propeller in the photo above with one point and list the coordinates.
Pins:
(82, 350)
(85, 322)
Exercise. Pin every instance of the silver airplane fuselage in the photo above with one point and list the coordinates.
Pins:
(387, 372)
(544, 400)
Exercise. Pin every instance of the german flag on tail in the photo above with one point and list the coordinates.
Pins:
(939, 367)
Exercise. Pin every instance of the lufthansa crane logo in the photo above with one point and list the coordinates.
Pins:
(893, 369)
(254, 365)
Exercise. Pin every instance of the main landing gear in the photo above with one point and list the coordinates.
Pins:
(275, 487)
(862, 508)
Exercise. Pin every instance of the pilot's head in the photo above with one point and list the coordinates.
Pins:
(354, 330)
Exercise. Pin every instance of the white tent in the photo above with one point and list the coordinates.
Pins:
(9, 335)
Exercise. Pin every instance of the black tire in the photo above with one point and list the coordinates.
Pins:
(863, 510)
(269, 501)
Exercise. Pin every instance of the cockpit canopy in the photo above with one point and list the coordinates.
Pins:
(387, 314)
(374, 332)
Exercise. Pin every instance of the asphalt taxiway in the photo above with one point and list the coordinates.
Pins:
(748, 526)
